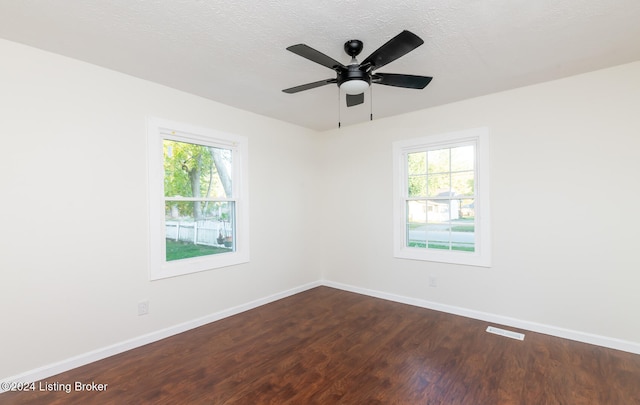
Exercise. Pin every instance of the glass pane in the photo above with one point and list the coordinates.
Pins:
(416, 212)
(462, 235)
(192, 170)
(463, 225)
(438, 161)
(462, 183)
(438, 185)
(417, 186)
(467, 209)
(438, 211)
(438, 234)
(416, 223)
(198, 228)
(222, 173)
(417, 163)
(462, 158)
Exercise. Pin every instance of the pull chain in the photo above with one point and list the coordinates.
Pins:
(338, 107)
(370, 103)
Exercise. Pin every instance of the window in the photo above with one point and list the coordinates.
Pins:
(441, 194)
(198, 200)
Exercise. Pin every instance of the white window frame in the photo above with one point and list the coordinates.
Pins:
(482, 254)
(158, 130)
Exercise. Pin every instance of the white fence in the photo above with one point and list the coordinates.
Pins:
(203, 232)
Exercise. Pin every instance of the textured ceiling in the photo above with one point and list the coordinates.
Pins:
(234, 51)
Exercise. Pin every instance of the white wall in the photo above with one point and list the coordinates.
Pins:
(564, 200)
(74, 219)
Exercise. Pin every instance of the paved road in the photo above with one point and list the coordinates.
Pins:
(440, 233)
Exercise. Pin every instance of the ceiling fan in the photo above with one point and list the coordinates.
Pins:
(356, 77)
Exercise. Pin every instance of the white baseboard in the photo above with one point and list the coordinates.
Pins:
(604, 341)
(102, 353)
(99, 354)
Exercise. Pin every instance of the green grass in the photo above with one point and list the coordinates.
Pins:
(463, 228)
(181, 250)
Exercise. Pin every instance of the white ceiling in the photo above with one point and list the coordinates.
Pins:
(234, 52)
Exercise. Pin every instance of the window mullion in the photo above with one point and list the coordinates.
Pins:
(189, 199)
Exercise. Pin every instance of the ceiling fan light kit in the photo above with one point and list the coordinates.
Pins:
(354, 86)
(355, 78)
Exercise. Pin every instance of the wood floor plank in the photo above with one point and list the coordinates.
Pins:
(326, 346)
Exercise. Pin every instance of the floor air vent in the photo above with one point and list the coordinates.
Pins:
(507, 333)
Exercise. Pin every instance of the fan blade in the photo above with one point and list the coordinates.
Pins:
(396, 47)
(309, 86)
(316, 56)
(397, 80)
(355, 99)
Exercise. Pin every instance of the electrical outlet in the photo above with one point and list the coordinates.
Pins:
(433, 281)
(143, 307)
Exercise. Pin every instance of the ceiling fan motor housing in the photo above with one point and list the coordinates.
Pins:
(353, 72)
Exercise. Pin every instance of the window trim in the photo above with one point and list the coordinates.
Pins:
(482, 254)
(159, 129)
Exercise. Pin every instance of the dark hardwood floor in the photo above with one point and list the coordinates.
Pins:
(326, 346)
